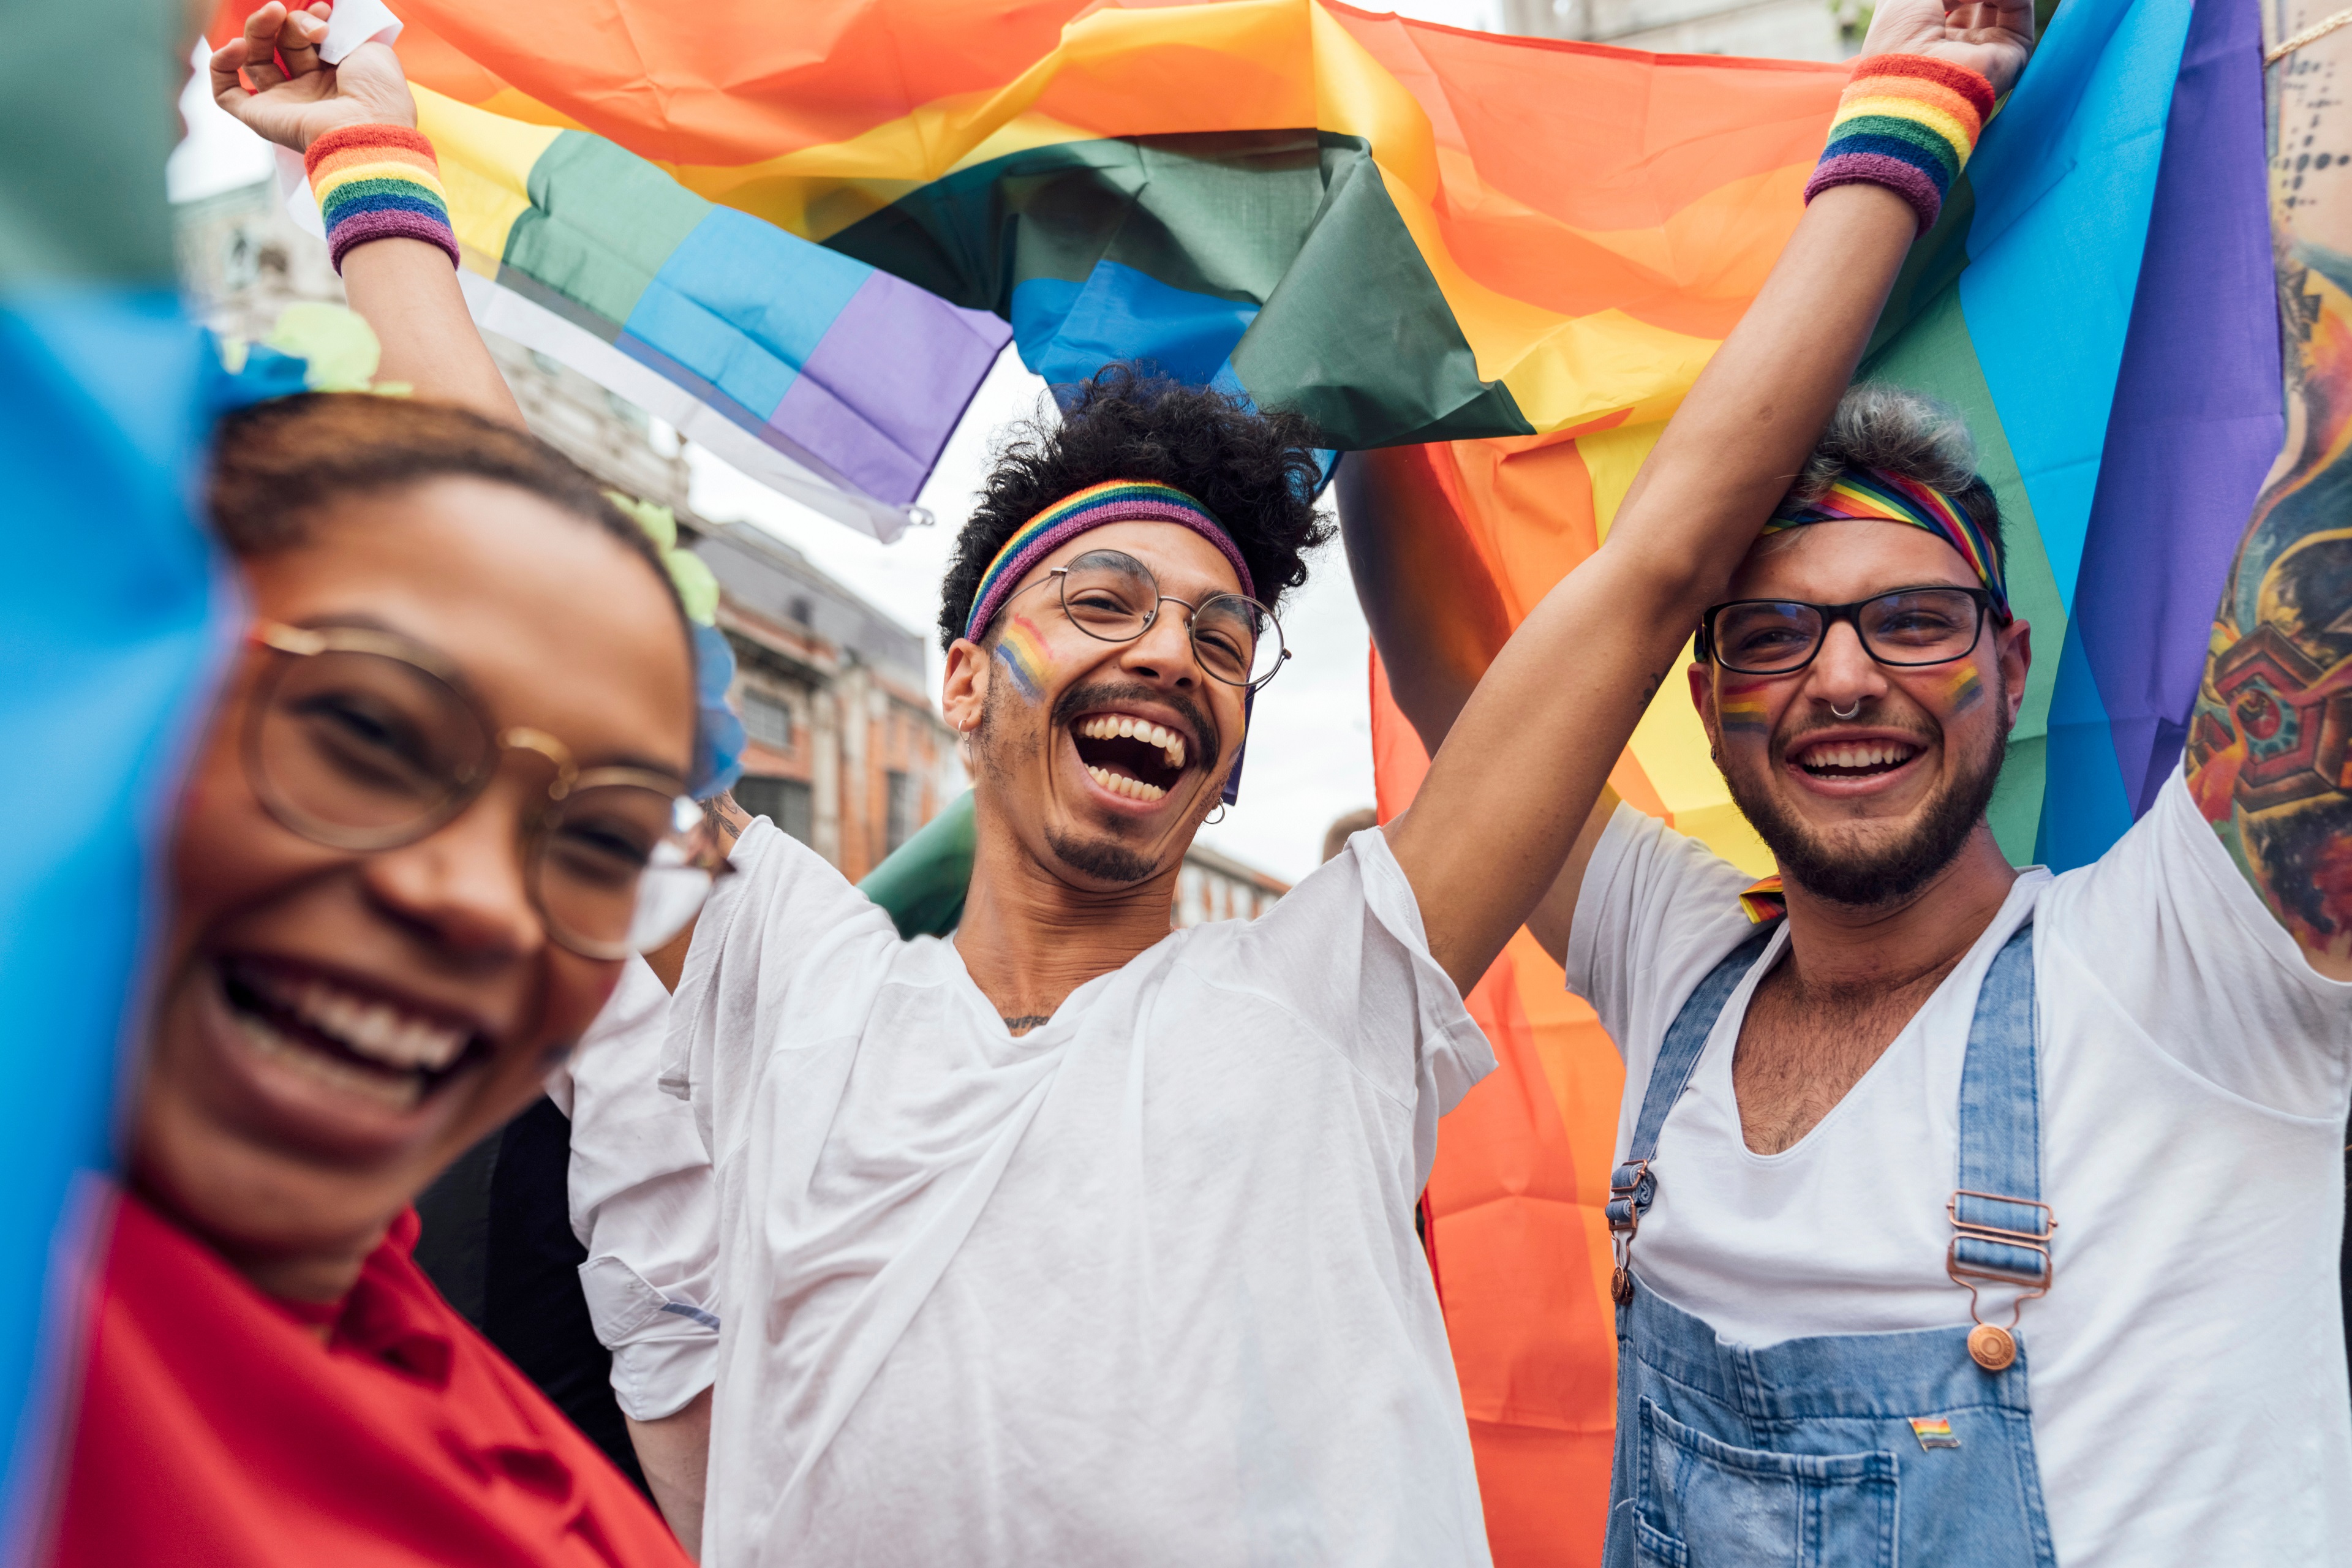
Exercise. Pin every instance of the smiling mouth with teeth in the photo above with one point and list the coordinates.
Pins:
(1129, 756)
(1855, 759)
(364, 1044)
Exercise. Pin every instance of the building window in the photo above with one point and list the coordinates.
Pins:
(787, 803)
(768, 720)
(899, 816)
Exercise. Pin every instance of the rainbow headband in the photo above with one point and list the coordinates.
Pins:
(1113, 500)
(1875, 495)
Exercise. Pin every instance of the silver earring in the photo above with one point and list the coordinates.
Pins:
(1214, 817)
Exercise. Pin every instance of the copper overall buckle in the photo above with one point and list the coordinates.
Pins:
(1990, 1346)
(1621, 1232)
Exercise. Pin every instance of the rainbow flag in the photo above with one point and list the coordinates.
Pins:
(1523, 252)
(1410, 232)
(830, 379)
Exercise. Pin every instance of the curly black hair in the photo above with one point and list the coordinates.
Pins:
(1254, 472)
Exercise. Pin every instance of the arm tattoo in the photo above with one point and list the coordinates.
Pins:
(725, 819)
(2269, 739)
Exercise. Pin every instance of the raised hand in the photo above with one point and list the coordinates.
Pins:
(308, 98)
(1992, 37)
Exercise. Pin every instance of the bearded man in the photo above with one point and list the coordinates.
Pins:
(1967, 1215)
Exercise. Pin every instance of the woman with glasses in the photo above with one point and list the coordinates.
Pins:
(442, 804)
(441, 801)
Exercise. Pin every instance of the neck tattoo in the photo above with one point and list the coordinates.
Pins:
(1027, 1022)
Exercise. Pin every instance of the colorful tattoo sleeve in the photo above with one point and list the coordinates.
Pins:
(2270, 742)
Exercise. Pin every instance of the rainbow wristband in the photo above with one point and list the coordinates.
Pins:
(378, 182)
(1907, 122)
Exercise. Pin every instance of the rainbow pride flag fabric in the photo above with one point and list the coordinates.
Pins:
(1410, 232)
(825, 377)
(1413, 233)
(833, 381)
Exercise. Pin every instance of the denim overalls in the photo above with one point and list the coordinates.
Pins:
(1849, 1450)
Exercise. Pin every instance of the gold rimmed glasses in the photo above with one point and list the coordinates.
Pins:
(363, 739)
(1113, 597)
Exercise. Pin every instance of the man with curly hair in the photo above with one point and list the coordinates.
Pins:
(1074, 1240)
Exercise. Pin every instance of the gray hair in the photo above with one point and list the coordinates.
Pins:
(1901, 432)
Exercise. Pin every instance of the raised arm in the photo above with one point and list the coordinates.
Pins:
(2267, 760)
(1524, 764)
(405, 288)
(1401, 537)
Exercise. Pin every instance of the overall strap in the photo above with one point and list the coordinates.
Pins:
(2000, 1226)
(1631, 1186)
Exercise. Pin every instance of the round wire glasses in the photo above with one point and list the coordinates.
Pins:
(363, 740)
(1906, 628)
(1113, 597)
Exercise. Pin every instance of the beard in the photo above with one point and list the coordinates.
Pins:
(1006, 736)
(1844, 873)
(1101, 859)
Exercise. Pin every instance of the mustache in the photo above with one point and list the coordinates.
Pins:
(1207, 741)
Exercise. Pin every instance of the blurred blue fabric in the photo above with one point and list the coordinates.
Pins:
(114, 617)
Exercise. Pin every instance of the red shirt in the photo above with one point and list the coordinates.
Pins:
(216, 1428)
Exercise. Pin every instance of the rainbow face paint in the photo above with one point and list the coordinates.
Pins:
(1963, 689)
(1743, 708)
(1021, 651)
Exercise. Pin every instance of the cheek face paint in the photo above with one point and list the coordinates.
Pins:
(1021, 651)
(1963, 689)
(1741, 709)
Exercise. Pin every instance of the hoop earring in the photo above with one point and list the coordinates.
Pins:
(1215, 817)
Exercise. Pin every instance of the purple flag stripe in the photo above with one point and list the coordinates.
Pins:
(2197, 416)
(886, 384)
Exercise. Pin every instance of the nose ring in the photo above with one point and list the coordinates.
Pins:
(1847, 713)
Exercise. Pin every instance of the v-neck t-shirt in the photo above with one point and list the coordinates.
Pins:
(1141, 1285)
(2186, 1368)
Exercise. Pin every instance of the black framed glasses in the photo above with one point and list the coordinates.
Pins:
(1906, 628)
(363, 739)
(1113, 597)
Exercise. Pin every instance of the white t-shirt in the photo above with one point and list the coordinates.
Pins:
(1139, 1286)
(642, 1202)
(2188, 1367)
